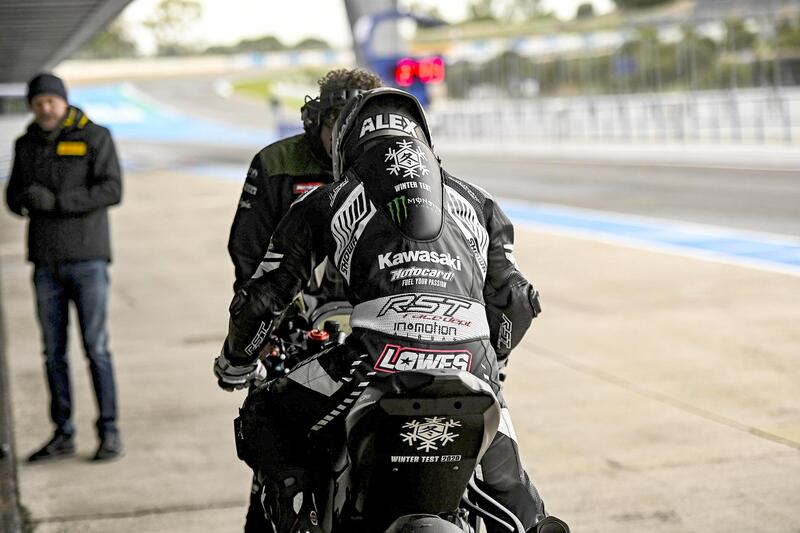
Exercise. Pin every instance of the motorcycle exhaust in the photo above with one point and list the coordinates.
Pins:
(549, 524)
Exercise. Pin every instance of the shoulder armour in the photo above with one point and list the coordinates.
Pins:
(476, 195)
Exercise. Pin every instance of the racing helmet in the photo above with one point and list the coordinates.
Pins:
(369, 117)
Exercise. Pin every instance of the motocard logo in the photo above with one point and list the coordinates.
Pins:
(424, 303)
(395, 358)
(420, 272)
(388, 121)
(390, 259)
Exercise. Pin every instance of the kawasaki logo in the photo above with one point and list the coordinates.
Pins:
(398, 209)
(424, 303)
(388, 121)
(419, 256)
(396, 358)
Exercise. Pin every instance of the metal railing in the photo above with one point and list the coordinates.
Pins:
(745, 115)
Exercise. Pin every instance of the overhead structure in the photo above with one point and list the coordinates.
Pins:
(38, 34)
(360, 16)
(380, 47)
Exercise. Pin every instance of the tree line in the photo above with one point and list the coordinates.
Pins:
(743, 54)
(170, 20)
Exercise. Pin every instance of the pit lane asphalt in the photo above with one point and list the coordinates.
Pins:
(655, 393)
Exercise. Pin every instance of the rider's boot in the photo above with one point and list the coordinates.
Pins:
(296, 509)
(257, 520)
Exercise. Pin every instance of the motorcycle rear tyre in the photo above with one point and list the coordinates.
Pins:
(422, 523)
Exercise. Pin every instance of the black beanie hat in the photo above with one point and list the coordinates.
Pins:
(46, 83)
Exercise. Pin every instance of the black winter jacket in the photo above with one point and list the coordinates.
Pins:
(78, 164)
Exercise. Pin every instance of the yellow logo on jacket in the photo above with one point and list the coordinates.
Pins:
(71, 148)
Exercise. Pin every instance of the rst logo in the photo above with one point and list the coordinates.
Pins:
(504, 334)
(395, 358)
(424, 303)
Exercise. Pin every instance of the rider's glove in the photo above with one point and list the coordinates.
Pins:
(231, 377)
(502, 363)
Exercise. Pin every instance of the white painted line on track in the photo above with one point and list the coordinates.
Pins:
(759, 250)
(763, 251)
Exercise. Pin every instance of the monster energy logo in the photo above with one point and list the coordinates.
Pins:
(398, 208)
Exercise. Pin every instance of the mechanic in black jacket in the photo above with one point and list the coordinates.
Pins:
(428, 264)
(285, 169)
(64, 177)
(277, 176)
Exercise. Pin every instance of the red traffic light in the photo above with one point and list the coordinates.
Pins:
(404, 72)
(431, 70)
(428, 70)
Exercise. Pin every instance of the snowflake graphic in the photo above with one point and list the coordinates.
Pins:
(408, 159)
(430, 434)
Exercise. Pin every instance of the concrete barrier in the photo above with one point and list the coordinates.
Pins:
(10, 517)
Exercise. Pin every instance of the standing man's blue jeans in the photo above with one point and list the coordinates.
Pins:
(85, 283)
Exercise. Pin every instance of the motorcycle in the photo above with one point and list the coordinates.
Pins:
(406, 456)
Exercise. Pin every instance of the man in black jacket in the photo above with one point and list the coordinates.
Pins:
(278, 175)
(285, 169)
(65, 176)
(428, 264)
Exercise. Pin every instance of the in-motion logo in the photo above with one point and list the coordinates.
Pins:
(398, 208)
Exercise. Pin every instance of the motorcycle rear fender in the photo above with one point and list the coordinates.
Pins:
(388, 471)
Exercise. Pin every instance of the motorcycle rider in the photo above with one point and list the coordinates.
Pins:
(427, 261)
(279, 173)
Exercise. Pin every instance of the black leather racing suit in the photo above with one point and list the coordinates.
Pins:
(428, 265)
